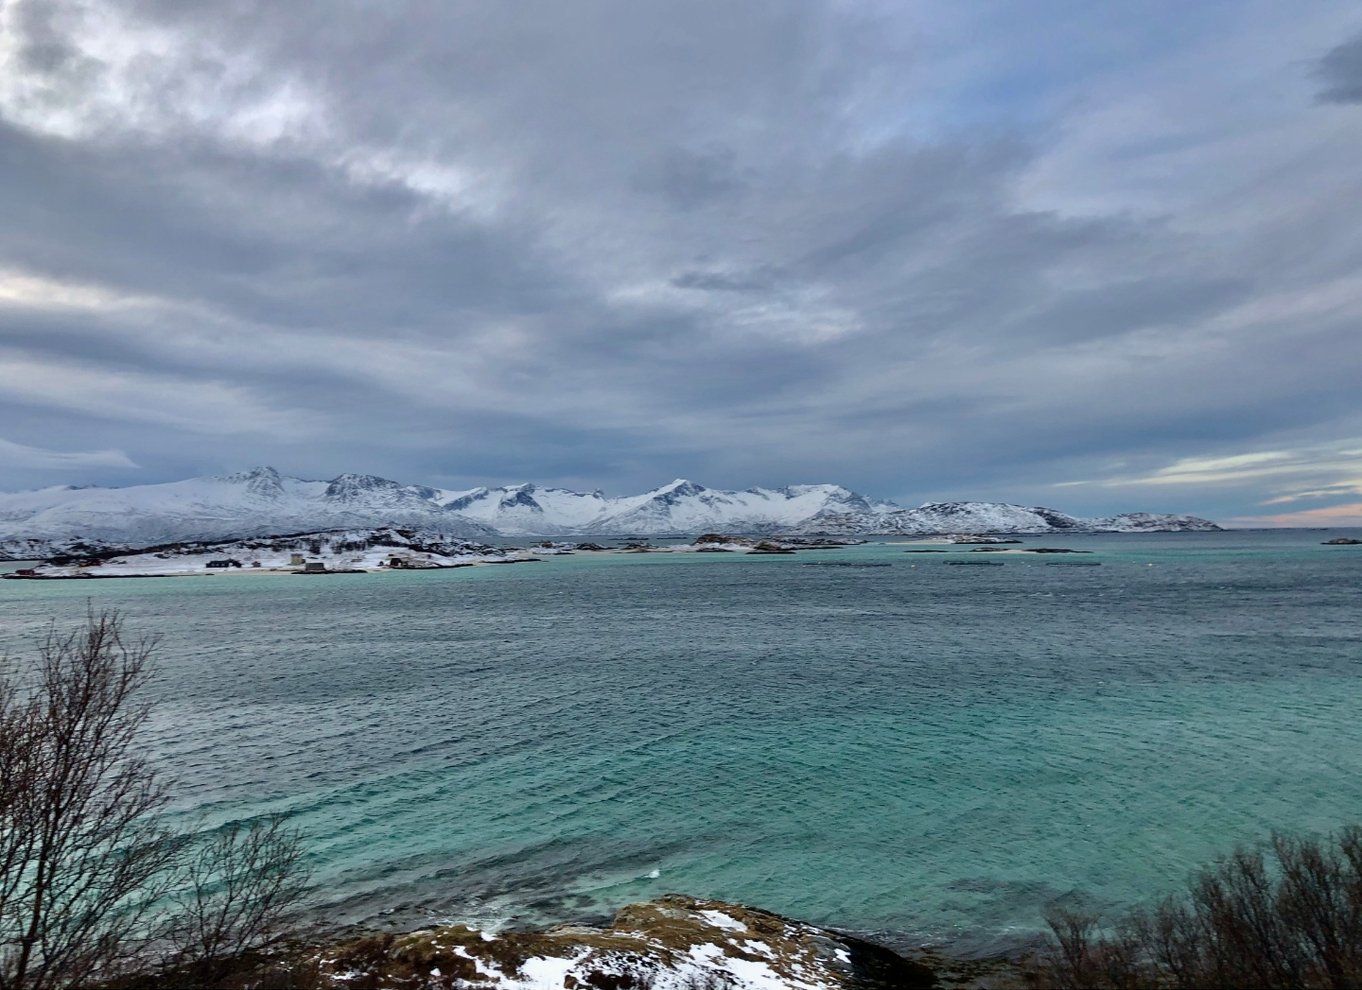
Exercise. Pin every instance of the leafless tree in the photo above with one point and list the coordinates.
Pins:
(90, 875)
(81, 849)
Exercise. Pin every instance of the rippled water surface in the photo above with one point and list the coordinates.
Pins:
(931, 750)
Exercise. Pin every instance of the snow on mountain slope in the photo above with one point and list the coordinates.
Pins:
(994, 517)
(952, 517)
(684, 506)
(261, 502)
(1151, 522)
(528, 510)
(681, 507)
(251, 503)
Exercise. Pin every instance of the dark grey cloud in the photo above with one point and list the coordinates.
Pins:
(721, 281)
(692, 179)
(606, 244)
(1339, 72)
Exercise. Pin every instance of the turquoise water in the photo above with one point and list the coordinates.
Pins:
(930, 752)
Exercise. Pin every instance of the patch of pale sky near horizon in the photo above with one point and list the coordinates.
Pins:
(1352, 486)
(1310, 473)
(1347, 515)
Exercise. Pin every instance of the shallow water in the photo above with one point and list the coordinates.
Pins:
(924, 750)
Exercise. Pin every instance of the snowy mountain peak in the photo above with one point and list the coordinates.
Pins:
(370, 490)
(522, 496)
(264, 471)
(458, 501)
(680, 488)
(1003, 514)
(262, 482)
(834, 491)
(345, 487)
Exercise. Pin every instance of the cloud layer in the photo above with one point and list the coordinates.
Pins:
(919, 250)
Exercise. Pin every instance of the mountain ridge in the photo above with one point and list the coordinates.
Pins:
(262, 502)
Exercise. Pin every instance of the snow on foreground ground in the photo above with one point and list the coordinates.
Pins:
(672, 943)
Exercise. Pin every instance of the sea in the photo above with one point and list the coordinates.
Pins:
(889, 742)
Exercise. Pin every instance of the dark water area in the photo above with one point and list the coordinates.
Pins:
(929, 752)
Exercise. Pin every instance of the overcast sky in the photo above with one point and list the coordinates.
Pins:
(1097, 256)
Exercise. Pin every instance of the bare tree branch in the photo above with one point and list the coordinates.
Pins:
(90, 876)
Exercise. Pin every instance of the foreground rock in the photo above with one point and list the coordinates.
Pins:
(1342, 541)
(672, 943)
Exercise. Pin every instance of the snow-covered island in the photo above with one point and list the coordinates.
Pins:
(262, 502)
(331, 552)
(357, 551)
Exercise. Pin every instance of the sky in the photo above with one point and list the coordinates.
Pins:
(1103, 257)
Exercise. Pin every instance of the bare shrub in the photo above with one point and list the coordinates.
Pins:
(1288, 915)
(238, 886)
(1083, 957)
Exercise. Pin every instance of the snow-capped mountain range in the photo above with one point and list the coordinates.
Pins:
(262, 502)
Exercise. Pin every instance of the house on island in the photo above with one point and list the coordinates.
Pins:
(295, 560)
(314, 567)
(411, 562)
(224, 563)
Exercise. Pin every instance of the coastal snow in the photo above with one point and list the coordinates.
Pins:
(337, 550)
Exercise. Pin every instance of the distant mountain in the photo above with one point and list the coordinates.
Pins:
(995, 517)
(681, 507)
(254, 503)
(263, 502)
